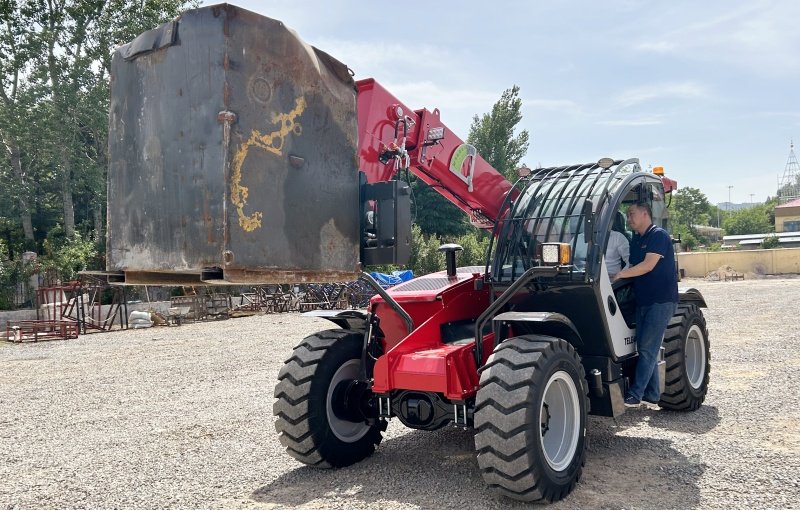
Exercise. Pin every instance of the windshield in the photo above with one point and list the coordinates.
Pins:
(550, 209)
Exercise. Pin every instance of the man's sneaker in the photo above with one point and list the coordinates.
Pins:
(632, 402)
(654, 402)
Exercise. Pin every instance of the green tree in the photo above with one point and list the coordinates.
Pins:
(425, 256)
(66, 256)
(715, 215)
(436, 215)
(690, 207)
(76, 38)
(688, 239)
(18, 98)
(493, 134)
(753, 220)
(55, 58)
(770, 205)
(475, 245)
(770, 242)
(55, 62)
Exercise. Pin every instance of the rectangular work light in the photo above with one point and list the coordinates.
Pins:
(555, 254)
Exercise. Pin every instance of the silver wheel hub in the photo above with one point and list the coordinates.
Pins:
(559, 420)
(345, 430)
(695, 357)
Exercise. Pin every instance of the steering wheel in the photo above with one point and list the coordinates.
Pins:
(621, 283)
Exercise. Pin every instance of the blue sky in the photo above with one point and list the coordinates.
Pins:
(709, 90)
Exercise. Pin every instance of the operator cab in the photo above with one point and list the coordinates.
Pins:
(578, 206)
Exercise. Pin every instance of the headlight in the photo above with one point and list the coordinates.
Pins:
(554, 254)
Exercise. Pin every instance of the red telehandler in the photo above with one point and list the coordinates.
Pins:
(239, 154)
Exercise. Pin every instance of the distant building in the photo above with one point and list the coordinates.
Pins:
(711, 233)
(730, 206)
(751, 241)
(787, 216)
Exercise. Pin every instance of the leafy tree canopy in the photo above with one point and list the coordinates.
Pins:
(493, 134)
(753, 220)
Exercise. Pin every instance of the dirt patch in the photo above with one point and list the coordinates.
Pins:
(118, 420)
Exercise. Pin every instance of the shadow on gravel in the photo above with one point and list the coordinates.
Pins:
(701, 421)
(428, 469)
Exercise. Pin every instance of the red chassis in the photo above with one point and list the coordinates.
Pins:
(425, 360)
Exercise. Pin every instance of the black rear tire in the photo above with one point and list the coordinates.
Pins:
(532, 386)
(687, 354)
(307, 423)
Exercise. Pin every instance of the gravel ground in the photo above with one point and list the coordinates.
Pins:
(181, 417)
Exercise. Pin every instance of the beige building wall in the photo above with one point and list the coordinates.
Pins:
(778, 261)
(780, 219)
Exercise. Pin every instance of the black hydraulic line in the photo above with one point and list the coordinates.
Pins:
(397, 128)
(501, 301)
(389, 299)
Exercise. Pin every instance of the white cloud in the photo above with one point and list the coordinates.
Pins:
(419, 94)
(638, 95)
(777, 114)
(639, 152)
(658, 46)
(385, 58)
(631, 122)
(760, 35)
(555, 105)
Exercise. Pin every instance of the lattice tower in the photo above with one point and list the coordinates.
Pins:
(789, 186)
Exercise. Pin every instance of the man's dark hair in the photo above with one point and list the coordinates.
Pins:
(646, 207)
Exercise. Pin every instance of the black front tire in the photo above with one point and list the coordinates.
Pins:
(523, 385)
(307, 423)
(688, 355)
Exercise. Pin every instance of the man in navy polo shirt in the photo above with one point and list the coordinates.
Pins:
(656, 287)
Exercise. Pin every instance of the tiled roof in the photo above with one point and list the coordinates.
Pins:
(793, 203)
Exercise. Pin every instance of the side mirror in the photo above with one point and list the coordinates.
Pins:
(588, 221)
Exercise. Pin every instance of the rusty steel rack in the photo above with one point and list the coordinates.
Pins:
(41, 330)
(81, 301)
(305, 297)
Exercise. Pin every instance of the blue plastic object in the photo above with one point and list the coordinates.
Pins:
(388, 280)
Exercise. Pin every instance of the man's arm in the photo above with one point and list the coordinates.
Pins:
(643, 267)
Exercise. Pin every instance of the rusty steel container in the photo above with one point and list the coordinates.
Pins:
(232, 155)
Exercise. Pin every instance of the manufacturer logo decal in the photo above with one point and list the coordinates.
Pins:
(458, 160)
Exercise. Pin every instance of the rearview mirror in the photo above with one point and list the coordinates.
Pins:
(588, 221)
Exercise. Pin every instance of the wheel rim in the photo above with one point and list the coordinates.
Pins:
(347, 431)
(695, 354)
(559, 420)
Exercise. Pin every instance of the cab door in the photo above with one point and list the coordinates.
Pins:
(618, 299)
